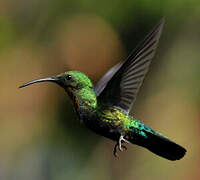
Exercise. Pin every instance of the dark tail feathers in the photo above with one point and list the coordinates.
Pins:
(163, 147)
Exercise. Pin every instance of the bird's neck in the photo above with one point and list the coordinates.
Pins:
(84, 98)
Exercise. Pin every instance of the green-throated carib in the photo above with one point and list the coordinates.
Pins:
(105, 108)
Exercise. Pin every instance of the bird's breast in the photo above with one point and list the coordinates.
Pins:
(100, 125)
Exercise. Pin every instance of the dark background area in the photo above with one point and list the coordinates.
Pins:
(40, 137)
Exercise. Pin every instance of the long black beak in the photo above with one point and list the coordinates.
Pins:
(49, 79)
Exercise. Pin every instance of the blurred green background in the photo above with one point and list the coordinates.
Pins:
(40, 137)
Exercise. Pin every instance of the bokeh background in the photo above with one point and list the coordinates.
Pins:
(40, 137)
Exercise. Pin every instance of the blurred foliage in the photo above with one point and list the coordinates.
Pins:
(40, 137)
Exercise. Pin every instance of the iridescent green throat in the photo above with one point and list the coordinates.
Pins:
(87, 97)
(84, 96)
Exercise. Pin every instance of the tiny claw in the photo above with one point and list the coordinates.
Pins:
(120, 146)
(115, 151)
(116, 155)
(124, 148)
(121, 140)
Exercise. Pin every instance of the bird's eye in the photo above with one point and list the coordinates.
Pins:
(68, 77)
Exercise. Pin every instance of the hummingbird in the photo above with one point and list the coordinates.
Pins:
(105, 108)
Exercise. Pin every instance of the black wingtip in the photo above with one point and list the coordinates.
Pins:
(161, 23)
(159, 27)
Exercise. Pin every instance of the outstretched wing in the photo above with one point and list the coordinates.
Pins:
(101, 84)
(120, 88)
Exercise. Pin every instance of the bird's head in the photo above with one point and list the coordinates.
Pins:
(78, 86)
(73, 80)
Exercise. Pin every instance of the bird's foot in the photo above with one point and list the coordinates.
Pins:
(123, 148)
(120, 146)
(121, 140)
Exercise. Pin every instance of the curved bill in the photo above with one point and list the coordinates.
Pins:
(51, 79)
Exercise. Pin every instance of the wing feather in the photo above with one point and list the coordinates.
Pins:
(105, 79)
